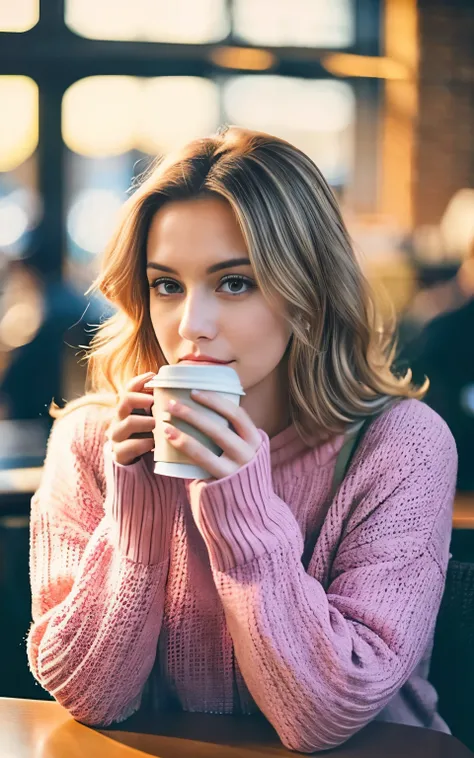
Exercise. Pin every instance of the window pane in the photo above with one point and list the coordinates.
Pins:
(180, 21)
(19, 206)
(316, 116)
(113, 126)
(176, 109)
(112, 115)
(99, 115)
(18, 15)
(306, 23)
(21, 304)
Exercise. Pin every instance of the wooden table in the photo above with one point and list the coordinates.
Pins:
(39, 729)
(463, 517)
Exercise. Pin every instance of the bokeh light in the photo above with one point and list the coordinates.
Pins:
(110, 115)
(457, 224)
(173, 110)
(99, 114)
(180, 21)
(92, 217)
(306, 23)
(19, 325)
(13, 222)
(21, 308)
(316, 116)
(20, 211)
(18, 15)
(19, 120)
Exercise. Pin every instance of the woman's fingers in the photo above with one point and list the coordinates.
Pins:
(232, 445)
(239, 442)
(129, 451)
(131, 430)
(218, 467)
(237, 416)
(133, 400)
(137, 383)
(132, 426)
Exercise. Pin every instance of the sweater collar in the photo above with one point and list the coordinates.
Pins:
(287, 444)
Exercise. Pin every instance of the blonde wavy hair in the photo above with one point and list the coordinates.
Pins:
(340, 354)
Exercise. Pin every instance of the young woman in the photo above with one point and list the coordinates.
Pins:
(257, 589)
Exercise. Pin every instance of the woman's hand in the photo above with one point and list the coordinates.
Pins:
(239, 446)
(131, 430)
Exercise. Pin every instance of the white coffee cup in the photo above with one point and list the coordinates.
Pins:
(175, 382)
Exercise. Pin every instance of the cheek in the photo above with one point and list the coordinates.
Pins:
(263, 331)
(156, 323)
(164, 329)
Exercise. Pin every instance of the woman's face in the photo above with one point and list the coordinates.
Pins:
(203, 295)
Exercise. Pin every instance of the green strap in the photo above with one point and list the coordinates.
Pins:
(349, 447)
(346, 454)
(344, 458)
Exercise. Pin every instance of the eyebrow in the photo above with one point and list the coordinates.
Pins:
(211, 270)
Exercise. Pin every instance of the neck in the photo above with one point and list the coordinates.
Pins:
(267, 402)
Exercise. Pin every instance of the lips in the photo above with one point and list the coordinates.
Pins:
(208, 361)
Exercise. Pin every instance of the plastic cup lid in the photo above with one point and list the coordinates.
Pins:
(204, 377)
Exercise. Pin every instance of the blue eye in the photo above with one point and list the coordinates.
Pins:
(167, 282)
(237, 285)
(236, 279)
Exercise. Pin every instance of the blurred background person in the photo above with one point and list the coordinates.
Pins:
(445, 287)
(444, 351)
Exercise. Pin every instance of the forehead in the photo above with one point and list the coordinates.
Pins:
(199, 229)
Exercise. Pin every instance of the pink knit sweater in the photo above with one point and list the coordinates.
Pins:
(177, 593)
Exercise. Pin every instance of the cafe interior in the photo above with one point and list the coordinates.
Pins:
(380, 94)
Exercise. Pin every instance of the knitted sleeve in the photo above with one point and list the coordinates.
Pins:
(98, 566)
(322, 661)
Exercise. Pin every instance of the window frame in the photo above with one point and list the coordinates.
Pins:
(55, 57)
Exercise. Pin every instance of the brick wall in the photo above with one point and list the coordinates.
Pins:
(444, 153)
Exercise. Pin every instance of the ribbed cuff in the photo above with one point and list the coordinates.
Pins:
(240, 517)
(141, 507)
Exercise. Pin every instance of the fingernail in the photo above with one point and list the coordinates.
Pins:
(170, 432)
(172, 404)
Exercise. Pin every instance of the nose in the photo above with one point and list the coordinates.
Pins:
(198, 319)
